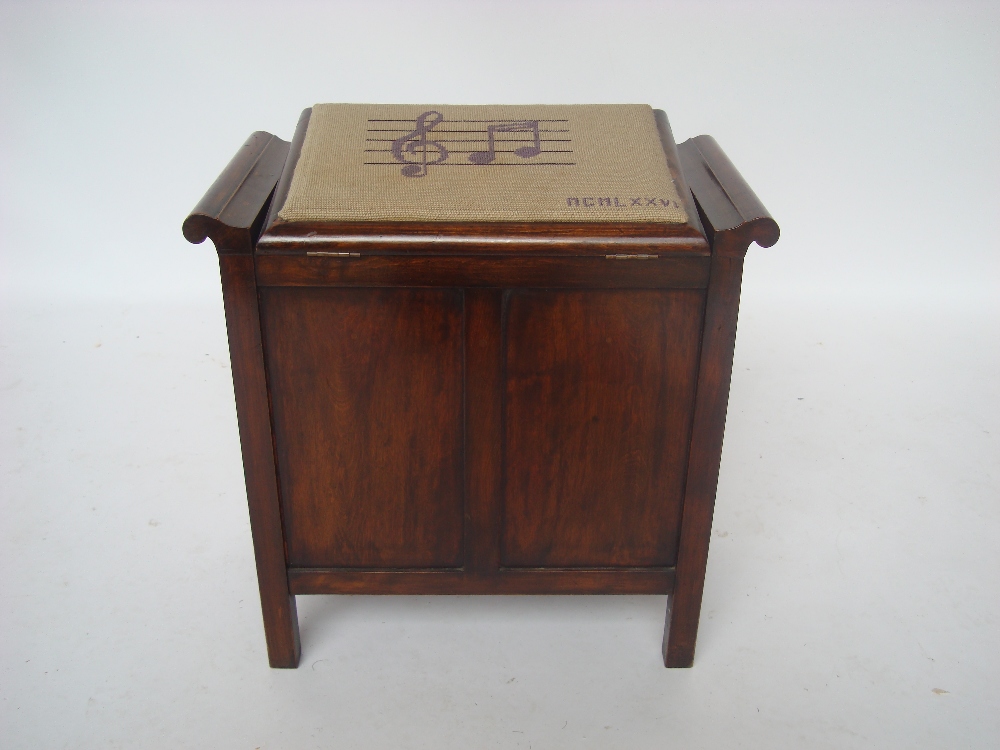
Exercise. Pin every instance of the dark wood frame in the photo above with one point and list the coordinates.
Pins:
(706, 254)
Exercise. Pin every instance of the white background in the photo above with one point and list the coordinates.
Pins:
(852, 591)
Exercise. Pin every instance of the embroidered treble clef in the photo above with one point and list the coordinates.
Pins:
(415, 150)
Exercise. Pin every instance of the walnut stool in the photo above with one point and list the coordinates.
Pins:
(481, 350)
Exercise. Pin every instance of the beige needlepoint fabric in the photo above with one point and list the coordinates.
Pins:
(524, 163)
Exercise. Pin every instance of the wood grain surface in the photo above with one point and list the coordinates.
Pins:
(367, 401)
(599, 395)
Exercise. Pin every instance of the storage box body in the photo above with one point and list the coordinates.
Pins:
(493, 407)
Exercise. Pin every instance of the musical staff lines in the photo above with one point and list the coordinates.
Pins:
(415, 145)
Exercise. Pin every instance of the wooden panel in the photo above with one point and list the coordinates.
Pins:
(599, 394)
(569, 240)
(301, 270)
(507, 581)
(366, 389)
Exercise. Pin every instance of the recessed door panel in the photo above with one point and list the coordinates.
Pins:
(367, 401)
(599, 388)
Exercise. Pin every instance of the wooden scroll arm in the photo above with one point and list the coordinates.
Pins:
(732, 214)
(233, 209)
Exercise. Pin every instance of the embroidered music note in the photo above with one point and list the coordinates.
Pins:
(412, 149)
(525, 152)
(432, 139)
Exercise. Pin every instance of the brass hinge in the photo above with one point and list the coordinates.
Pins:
(630, 256)
(333, 254)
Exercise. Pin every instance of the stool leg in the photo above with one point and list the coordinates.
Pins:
(705, 454)
(680, 630)
(239, 292)
(678, 656)
(281, 630)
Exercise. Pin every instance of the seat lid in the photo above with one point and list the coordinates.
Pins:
(470, 170)
(363, 162)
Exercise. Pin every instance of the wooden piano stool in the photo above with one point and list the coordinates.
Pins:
(481, 350)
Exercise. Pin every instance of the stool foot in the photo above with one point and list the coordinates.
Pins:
(678, 650)
(281, 630)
